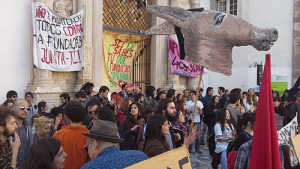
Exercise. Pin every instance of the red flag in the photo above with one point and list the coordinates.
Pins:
(265, 149)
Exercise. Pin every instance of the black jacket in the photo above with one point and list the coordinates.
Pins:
(210, 116)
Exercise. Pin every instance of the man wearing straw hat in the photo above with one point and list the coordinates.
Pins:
(102, 145)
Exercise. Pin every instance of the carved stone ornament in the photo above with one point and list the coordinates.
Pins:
(88, 61)
(43, 74)
(63, 7)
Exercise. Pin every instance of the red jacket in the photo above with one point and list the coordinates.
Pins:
(121, 115)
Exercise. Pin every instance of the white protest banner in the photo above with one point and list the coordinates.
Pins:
(57, 40)
(284, 135)
(173, 159)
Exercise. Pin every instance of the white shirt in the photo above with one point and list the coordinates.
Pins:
(190, 106)
(227, 133)
(248, 106)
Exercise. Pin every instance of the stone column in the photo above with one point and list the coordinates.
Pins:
(88, 45)
(159, 52)
(296, 53)
(173, 80)
(195, 3)
(40, 79)
(44, 75)
(97, 43)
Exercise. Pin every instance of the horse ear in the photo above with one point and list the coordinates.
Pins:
(172, 14)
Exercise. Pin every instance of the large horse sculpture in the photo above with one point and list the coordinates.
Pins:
(206, 38)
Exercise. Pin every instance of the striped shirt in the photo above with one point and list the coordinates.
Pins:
(5, 156)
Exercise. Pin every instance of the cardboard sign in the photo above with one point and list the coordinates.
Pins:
(296, 145)
(57, 40)
(181, 67)
(118, 59)
(284, 135)
(173, 159)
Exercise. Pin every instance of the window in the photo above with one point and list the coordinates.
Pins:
(222, 6)
(233, 7)
(227, 6)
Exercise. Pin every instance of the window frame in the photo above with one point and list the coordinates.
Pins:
(227, 6)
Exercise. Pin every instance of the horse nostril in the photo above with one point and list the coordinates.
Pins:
(275, 32)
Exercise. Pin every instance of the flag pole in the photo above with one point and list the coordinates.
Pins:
(84, 22)
(197, 95)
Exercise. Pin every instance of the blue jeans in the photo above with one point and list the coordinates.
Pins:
(224, 159)
(197, 141)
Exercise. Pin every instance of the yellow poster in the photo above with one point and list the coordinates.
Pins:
(117, 66)
(173, 159)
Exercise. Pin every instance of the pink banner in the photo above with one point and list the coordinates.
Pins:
(178, 66)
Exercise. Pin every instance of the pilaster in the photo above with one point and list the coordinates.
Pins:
(296, 50)
(88, 44)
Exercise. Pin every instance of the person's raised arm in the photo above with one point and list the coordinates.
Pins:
(15, 148)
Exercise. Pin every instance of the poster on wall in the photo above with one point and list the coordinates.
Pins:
(57, 40)
(279, 83)
(179, 66)
(118, 59)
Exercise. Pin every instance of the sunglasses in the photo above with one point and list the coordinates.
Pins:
(23, 108)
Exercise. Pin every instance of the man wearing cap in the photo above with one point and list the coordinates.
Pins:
(103, 150)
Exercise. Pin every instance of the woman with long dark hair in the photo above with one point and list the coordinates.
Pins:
(155, 140)
(46, 154)
(281, 113)
(59, 122)
(285, 95)
(286, 150)
(179, 127)
(245, 129)
(181, 105)
(250, 100)
(179, 97)
(132, 126)
(211, 113)
(224, 133)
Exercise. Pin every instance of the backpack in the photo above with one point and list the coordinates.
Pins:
(232, 146)
(231, 159)
(211, 144)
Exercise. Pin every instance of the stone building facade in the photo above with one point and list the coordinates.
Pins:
(20, 75)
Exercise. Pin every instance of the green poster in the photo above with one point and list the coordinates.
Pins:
(279, 86)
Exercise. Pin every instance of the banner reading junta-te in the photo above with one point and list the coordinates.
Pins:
(117, 66)
(57, 40)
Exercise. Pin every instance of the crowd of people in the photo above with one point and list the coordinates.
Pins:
(93, 131)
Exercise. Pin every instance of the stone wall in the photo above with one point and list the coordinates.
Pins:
(47, 85)
(296, 51)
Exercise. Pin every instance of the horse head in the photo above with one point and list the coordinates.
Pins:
(206, 37)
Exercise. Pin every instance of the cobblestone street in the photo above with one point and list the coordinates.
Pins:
(201, 161)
